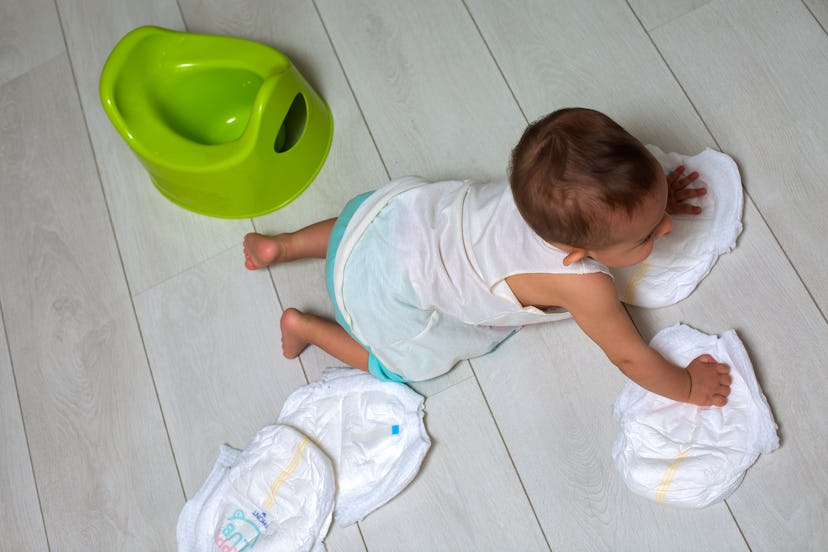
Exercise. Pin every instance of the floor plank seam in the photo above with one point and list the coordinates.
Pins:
(675, 77)
(187, 269)
(114, 234)
(351, 90)
(509, 455)
(93, 152)
(788, 259)
(23, 423)
(738, 527)
(667, 21)
(494, 60)
(816, 19)
(452, 386)
(181, 15)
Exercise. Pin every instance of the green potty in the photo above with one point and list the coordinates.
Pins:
(225, 127)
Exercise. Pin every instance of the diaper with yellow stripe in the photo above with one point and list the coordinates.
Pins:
(342, 447)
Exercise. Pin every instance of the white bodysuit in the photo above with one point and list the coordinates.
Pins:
(420, 273)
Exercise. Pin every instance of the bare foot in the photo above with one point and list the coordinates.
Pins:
(261, 250)
(292, 342)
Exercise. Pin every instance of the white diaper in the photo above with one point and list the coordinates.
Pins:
(685, 455)
(348, 435)
(275, 495)
(682, 258)
(372, 430)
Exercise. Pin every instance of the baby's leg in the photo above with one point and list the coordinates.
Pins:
(300, 330)
(311, 241)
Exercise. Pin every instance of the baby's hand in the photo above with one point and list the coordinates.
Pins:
(679, 193)
(709, 382)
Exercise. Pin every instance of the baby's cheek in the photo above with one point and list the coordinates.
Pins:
(647, 250)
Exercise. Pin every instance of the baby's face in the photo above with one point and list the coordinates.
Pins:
(635, 236)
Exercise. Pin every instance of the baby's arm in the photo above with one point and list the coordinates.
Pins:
(592, 300)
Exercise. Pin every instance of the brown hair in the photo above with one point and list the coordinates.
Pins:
(571, 166)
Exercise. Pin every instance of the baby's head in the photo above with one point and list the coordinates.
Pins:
(587, 186)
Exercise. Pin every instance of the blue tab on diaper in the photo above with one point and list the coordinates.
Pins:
(379, 433)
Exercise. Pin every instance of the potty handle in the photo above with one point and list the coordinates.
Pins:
(293, 125)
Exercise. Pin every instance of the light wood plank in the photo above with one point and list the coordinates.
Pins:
(211, 334)
(467, 495)
(588, 54)
(551, 391)
(758, 73)
(654, 13)
(781, 504)
(820, 10)
(99, 449)
(157, 238)
(22, 522)
(431, 94)
(27, 36)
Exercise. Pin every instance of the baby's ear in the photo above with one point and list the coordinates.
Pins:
(574, 256)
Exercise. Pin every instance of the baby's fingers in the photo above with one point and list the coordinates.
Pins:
(674, 175)
(676, 181)
(688, 193)
(719, 400)
(679, 194)
(723, 392)
(683, 209)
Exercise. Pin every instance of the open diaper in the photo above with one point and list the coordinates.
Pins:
(276, 494)
(686, 455)
(682, 258)
(372, 430)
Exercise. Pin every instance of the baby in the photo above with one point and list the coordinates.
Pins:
(423, 275)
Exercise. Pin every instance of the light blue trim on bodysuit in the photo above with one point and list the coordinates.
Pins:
(377, 369)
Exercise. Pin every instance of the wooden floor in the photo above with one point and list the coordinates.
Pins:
(134, 342)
